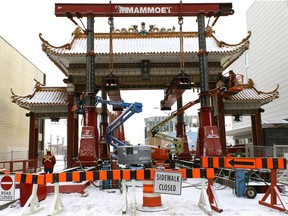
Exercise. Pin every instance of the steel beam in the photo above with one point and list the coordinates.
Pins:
(143, 10)
(203, 66)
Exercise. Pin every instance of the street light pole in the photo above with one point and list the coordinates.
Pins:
(170, 128)
(57, 150)
(50, 142)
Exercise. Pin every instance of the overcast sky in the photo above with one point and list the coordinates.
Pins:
(23, 20)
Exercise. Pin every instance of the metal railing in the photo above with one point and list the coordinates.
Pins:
(17, 161)
(19, 165)
(266, 151)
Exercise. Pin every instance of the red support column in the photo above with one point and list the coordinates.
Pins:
(181, 133)
(90, 119)
(11, 166)
(70, 131)
(33, 141)
(76, 137)
(89, 144)
(258, 123)
(221, 123)
(103, 146)
(35, 148)
(24, 166)
(205, 119)
(257, 132)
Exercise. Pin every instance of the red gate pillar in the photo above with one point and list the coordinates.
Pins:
(33, 141)
(257, 132)
(76, 137)
(70, 130)
(181, 132)
(104, 147)
(221, 123)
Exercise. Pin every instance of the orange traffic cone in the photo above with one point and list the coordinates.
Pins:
(151, 201)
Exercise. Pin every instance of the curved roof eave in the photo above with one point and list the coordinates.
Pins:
(251, 95)
(42, 97)
(77, 46)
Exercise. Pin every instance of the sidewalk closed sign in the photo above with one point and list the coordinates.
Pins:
(7, 187)
(168, 182)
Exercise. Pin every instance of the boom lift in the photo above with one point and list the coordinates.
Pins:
(131, 108)
(153, 134)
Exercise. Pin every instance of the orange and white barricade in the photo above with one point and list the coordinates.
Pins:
(32, 203)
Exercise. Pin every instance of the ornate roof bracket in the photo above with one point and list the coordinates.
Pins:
(275, 91)
(222, 43)
(75, 34)
(15, 97)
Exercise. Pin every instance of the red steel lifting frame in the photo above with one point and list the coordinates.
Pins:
(143, 10)
(200, 10)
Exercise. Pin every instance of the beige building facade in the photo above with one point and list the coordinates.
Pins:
(18, 74)
(266, 64)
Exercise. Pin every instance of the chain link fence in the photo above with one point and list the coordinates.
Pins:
(13, 155)
(266, 151)
(275, 151)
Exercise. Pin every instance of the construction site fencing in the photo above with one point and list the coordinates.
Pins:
(275, 151)
(19, 165)
(13, 155)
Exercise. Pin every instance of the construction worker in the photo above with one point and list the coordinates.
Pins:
(48, 162)
(232, 80)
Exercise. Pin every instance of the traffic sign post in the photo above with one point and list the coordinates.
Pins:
(7, 187)
(168, 182)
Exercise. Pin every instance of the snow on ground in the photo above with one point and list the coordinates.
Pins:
(110, 202)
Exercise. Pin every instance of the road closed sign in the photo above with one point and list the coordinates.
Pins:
(7, 187)
(168, 182)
